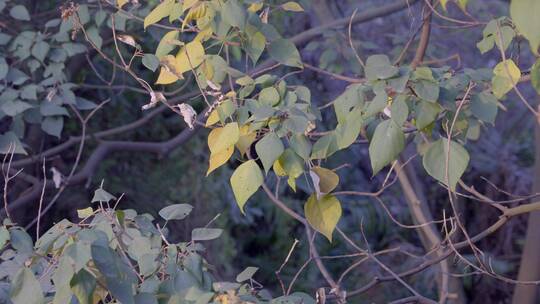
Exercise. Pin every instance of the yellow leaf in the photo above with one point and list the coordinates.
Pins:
(278, 169)
(84, 213)
(212, 119)
(166, 77)
(292, 6)
(204, 34)
(323, 214)
(194, 13)
(189, 4)
(161, 11)
(255, 7)
(463, 4)
(121, 3)
(245, 181)
(246, 139)
(190, 56)
(328, 179)
(506, 75)
(220, 158)
(220, 139)
(443, 3)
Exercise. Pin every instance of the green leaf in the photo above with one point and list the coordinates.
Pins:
(435, 161)
(21, 241)
(426, 114)
(40, 50)
(379, 67)
(50, 109)
(352, 97)
(175, 212)
(285, 52)
(205, 234)
(387, 142)
(83, 285)
(246, 274)
(4, 236)
(15, 107)
(53, 125)
(233, 14)
(269, 96)
(25, 288)
(165, 46)
(347, 132)
(269, 148)
(377, 104)
(323, 214)
(535, 76)
(506, 75)
(10, 143)
(325, 146)
(151, 62)
(301, 145)
(119, 277)
(94, 37)
(525, 14)
(220, 139)
(427, 90)
(161, 11)
(484, 107)
(399, 110)
(19, 12)
(255, 46)
(245, 181)
(101, 195)
(4, 68)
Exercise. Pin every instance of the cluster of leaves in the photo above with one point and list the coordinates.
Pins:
(273, 125)
(34, 87)
(118, 256)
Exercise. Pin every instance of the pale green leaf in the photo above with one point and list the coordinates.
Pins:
(437, 159)
(269, 148)
(285, 52)
(379, 67)
(387, 142)
(525, 14)
(175, 212)
(246, 274)
(19, 12)
(205, 234)
(25, 288)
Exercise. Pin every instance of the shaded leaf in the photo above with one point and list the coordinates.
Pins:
(437, 157)
(175, 212)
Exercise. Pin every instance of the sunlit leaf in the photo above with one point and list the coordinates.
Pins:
(245, 181)
(219, 158)
(506, 75)
(323, 214)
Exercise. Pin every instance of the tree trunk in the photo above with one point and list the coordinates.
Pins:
(529, 269)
